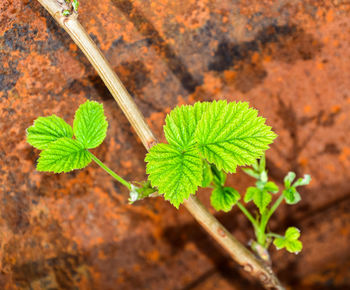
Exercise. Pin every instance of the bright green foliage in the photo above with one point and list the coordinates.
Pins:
(224, 198)
(46, 130)
(231, 134)
(290, 193)
(90, 124)
(289, 241)
(63, 155)
(260, 194)
(225, 134)
(53, 135)
(261, 198)
(175, 172)
(289, 178)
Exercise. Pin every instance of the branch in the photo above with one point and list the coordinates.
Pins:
(236, 250)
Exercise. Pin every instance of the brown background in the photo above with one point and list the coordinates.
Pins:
(289, 59)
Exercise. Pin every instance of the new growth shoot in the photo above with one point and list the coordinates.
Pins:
(205, 142)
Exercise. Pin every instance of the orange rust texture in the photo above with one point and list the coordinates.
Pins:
(289, 59)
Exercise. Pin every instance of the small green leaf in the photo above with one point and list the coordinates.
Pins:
(250, 193)
(261, 198)
(291, 195)
(289, 179)
(176, 173)
(207, 174)
(90, 125)
(224, 198)
(292, 233)
(271, 187)
(231, 134)
(279, 243)
(294, 247)
(289, 241)
(302, 181)
(46, 130)
(63, 155)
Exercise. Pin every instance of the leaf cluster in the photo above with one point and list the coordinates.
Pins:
(220, 133)
(291, 195)
(290, 241)
(65, 148)
(261, 195)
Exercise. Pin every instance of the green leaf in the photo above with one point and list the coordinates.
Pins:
(176, 173)
(294, 247)
(46, 130)
(90, 125)
(271, 187)
(279, 243)
(63, 155)
(291, 195)
(289, 179)
(207, 174)
(231, 134)
(261, 198)
(292, 233)
(250, 193)
(289, 241)
(302, 181)
(224, 198)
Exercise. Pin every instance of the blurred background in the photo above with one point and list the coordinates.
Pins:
(289, 59)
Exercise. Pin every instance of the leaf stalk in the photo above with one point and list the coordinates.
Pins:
(110, 172)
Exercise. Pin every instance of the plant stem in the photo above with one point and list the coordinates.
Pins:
(264, 220)
(275, 206)
(274, 235)
(237, 251)
(110, 172)
(248, 215)
(261, 238)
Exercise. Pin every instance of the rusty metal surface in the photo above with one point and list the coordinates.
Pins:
(289, 59)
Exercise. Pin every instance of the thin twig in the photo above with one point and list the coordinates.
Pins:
(236, 250)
